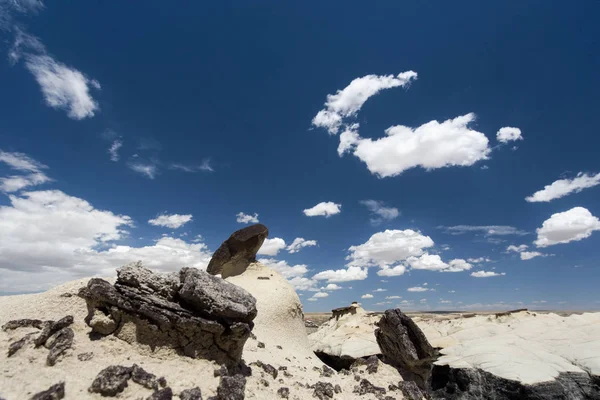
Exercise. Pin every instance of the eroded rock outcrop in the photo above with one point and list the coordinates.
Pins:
(193, 312)
(236, 253)
(405, 347)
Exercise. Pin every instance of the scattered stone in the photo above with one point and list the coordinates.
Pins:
(58, 343)
(264, 382)
(111, 380)
(237, 252)
(264, 278)
(405, 347)
(144, 378)
(327, 372)
(85, 356)
(367, 387)
(162, 394)
(393, 388)
(231, 388)
(55, 392)
(268, 368)
(66, 295)
(337, 389)
(357, 378)
(279, 347)
(323, 390)
(287, 374)
(23, 323)
(261, 345)
(344, 371)
(50, 328)
(18, 344)
(310, 324)
(282, 368)
(411, 391)
(191, 394)
(283, 392)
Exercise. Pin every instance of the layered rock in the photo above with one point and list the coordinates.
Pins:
(236, 253)
(193, 312)
(404, 346)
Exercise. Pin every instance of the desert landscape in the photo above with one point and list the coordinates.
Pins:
(238, 331)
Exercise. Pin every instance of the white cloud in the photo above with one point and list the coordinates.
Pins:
(392, 271)
(148, 170)
(271, 247)
(478, 260)
(320, 295)
(507, 134)
(487, 230)
(342, 275)
(326, 209)
(348, 101)
(451, 291)
(417, 289)
(388, 247)
(445, 302)
(430, 146)
(246, 218)
(205, 166)
(332, 286)
(572, 225)
(366, 296)
(380, 290)
(312, 299)
(21, 162)
(299, 243)
(114, 150)
(49, 237)
(564, 187)
(433, 262)
(380, 211)
(393, 297)
(173, 221)
(528, 255)
(517, 249)
(293, 273)
(486, 274)
(458, 265)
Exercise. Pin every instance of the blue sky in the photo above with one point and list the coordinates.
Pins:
(391, 116)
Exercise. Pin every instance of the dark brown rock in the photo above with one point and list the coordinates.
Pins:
(327, 372)
(58, 344)
(411, 391)
(283, 392)
(231, 388)
(337, 389)
(50, 328)
(323, 390)
(405, 347)
(268, 368)
(55, 392)
(144, 378)
(191, 394)
(162, 394)
(111, 380)
(237, 252)
(367, 387)
(18, 344)
(23, 323)
(85, 356)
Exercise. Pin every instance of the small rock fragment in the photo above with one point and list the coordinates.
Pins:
(231, 388)
(51, 328)
(111, 380)
(337, 389)
(191, 394)
(23, 323)
(85, 356)
(411, 391)
(367, 387)
(268, 368)
(162, 394)
(144, 378)
(323, 390)
(18, 344)
(261, 345)
(264, 278)
(327, 372)
(283, 392)
(58, 343)
(55, 392)
(264, 382)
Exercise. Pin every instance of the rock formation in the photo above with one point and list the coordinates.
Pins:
(199, 315)
(236, 253)
(404, 346)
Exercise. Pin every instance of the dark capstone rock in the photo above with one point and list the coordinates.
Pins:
(405, 347)
(111, 380)
(268, 368)
(85, 356)
(283, 392)
(23, 323)
(50, 328)
(18, 344)
(367, 387)
(144, 378)
(327, 372)
(470, 384)
(200, 317)
(237, 252)
(191, 394)
(55, 392)
(231, 387)
(411, 391)
(337, 389)
(58, 343)
(323, 390)
(162, 394)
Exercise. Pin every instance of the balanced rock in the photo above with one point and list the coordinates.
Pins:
(404, 346)
(197, 314)
(237, 252)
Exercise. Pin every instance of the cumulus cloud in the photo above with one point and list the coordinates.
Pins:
(348, 101)
(564, 187)
(572, 225)
(487, 230)
(417, 289)
(392, 271)
(246, 218)
(380, 290)
(393, 297)
(380, 211)
(325, 209)
(523, 253)
(517, 249)
(172, 221)
(486, 274)
(478, 260)
(300, 243)
(508, 134)
(32, 172)
(48, 237)
(295, 274)
(342, 275)
(271, 247)
(148, 170)
(320, 295)
(366, 296)
(331, 286)
(528, 255)
(113, 150)
(430, 146)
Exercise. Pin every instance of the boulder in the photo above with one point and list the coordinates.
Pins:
(202, 316)
(236, 253)
(54, 392)
(405, 347)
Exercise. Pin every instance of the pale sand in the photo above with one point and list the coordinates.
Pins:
(279, 322)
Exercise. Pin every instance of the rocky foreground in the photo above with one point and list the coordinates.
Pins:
(237, 331)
